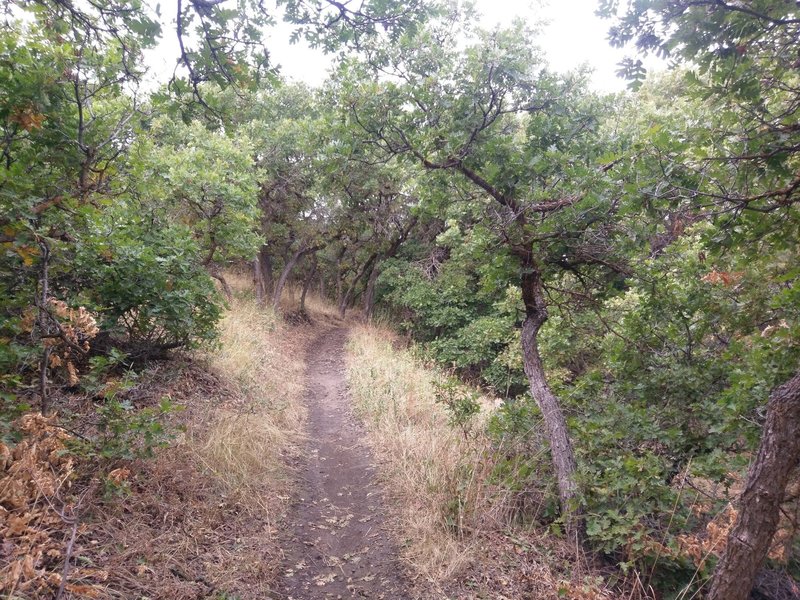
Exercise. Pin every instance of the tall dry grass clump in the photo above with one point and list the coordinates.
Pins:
(464, 501)
(202, 516)
(195, 514)
(444, 478)
(246, 441)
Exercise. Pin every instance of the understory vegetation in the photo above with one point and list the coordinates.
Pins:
(183, 495)
(621, 272)
(463, 494)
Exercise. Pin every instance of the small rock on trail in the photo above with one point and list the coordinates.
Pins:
(336, 544)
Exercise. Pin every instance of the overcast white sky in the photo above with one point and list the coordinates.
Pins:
(573, 36)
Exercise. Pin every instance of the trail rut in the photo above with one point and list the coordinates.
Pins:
(336, 544)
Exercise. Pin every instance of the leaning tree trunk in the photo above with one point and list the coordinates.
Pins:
(340, 275)
(369, 294)
(265, 264)
(344, 299)
(391, 252)
(561, 451)
(306, 285)
(344, 302)
(258, 282)
(760, 502)
(217, 274)
(287, 270)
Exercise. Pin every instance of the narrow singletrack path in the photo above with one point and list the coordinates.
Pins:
(336, 544)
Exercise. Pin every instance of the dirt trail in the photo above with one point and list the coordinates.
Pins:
(336, 544)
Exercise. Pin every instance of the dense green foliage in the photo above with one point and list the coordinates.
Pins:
(672, 316)
(444, 174)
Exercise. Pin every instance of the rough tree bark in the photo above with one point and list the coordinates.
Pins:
(287, 270)
(561, 451)
(340, 275)
(369, 294)
(345, 300)
(265, 263)
(258, 282)
(216, 274)
(44, 326)
(391, 252)
(760, 502)
(214, 270)
(307, 284)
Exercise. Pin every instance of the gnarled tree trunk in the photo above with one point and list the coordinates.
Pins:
(760, 502)
(287, 270)
(307, 284)
(391, 252)
(265, 263)
(344, 302)
(561, 451)
(44, 325)
(217, 274)
(340, 275)
(258, 282)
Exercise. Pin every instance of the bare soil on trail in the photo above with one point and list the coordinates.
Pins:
(336, 543)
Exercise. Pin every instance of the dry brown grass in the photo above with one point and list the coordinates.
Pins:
(202, 519)
(199, 519)
(437, 469)
(419, 451)
(455, 518)
(240, 281)
(245, 444)
(316, 306)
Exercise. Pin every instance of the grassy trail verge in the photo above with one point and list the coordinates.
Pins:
(463, 523)
(203, 519)
(199, 519)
